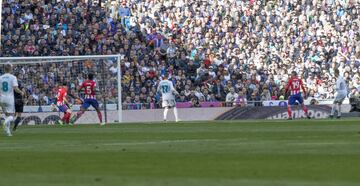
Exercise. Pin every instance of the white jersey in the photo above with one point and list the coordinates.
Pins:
(341, 90)
(167, 90)
(341, 85)
(7, 84)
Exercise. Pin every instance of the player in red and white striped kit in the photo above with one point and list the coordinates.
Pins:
(89, 87)
(62, 103)
(294, 85)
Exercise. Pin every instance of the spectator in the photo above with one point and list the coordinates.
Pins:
(250, 44)
(265, 95)
(242, 100)
(231, 97)
(254, 100)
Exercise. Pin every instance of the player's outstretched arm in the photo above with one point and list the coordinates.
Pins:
(287, 87)
(303, 89)
(175, 92)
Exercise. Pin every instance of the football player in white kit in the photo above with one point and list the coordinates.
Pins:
(168, 92)
(340, 95)
(8, 84)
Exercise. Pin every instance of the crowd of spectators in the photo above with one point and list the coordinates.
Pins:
(212, 48)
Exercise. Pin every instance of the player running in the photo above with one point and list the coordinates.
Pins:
(294, 85)
(8, 84)
(63, 104)
(90, 99)
(168, 92)
(19, 106)
(340, 94)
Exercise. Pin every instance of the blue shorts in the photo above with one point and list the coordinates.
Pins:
(63, 108)
(294, 98)
(87, 102)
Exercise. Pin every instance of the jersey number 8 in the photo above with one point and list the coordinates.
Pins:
(5, 86)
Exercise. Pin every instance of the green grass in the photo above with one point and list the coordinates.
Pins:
(256, 153)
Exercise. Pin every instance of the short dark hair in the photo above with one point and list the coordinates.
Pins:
(336, 71)
(166, 75)
(91, 76)
(62, 82)
(294, 73)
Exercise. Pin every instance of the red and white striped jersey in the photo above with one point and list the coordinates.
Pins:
(295, 85)
(89, 87)
(61, 94)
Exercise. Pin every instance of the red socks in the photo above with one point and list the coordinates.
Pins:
(79, 114)
(289, 112)
(100, 116)
(66, 118)
(305, 109)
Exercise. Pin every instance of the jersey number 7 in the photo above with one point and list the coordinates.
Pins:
(165, 88)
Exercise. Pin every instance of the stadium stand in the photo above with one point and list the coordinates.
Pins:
(208, 47)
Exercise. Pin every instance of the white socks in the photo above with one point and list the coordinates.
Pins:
(176, 114)
(166, 110)
(165, 113)
(336, 107)
(8, 120)
(333, 110)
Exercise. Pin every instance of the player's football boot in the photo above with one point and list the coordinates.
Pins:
(7, 132)
(73, 119)
(15, 126)
(59, 122)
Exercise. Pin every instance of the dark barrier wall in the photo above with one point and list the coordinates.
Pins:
(315, 111)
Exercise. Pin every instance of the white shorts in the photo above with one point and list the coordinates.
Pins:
(168, 103)
(7, 104)
(339, 97)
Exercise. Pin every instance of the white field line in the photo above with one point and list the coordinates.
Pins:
(324, 143)
(160, 142)
(226, 142)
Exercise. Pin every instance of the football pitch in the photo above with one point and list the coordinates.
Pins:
(255, 153)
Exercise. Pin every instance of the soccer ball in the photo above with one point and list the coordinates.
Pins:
(78, 101)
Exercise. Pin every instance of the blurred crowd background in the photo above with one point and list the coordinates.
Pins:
(215, 50)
